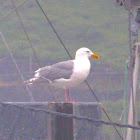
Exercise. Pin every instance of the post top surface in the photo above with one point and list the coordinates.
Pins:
(48, 103)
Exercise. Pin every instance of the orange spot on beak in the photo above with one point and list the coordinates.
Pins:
(95, 55)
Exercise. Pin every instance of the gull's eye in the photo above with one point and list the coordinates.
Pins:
(88, 51)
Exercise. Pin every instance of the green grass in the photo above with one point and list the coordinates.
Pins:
(98, 25)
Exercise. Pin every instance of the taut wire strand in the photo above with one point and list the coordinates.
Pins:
(12, 11)
(14, 61)
(97, 122)
(71, 58)
(30, 43)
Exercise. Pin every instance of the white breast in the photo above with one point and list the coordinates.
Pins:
(81, 69)
(80, 73)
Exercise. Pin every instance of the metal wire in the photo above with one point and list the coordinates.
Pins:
(12, 11)
(34, 52)
(53, 28)
(77, 117)
(26, 34)
(14, 61)
(63, 46)
(59, 38)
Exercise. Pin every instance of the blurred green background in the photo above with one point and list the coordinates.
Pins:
(98, 25)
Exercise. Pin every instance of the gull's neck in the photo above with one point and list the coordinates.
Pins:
(81, 58)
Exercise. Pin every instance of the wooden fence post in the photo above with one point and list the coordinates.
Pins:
(17, 123)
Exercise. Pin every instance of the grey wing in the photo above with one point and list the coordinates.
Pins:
(57, 71)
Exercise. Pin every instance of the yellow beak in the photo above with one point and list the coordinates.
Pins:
(95, 55)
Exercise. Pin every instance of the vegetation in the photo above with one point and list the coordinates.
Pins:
(98, 25)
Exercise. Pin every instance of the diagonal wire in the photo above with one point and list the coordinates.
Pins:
(34, 52)
(71, 58)
(97, 122)
(26, 34)
(14, 61)
(66, 51)
(12, 11)
(53, 29)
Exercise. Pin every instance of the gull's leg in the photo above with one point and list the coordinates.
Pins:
(70, 99)
(65, 95)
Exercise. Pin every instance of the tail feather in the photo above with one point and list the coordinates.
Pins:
(30, 81)
(37, 80)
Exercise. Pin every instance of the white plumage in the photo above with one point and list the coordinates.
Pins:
(65, 74)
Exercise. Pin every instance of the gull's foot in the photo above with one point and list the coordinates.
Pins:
(71, 101)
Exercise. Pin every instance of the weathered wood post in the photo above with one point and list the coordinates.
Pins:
(69, 129)
(26, 124)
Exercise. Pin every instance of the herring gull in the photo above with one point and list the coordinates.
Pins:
(65, 74)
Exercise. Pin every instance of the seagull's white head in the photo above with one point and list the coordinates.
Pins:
(85, 52)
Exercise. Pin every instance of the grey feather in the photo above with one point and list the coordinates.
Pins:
(57, 71)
